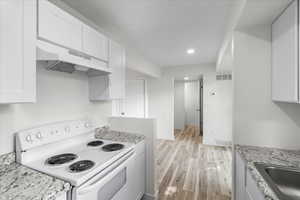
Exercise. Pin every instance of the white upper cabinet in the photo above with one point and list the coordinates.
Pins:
(112, 86)
(117, 65)
(57, 26)
(17, 51)
(94, 43)
(285, 54)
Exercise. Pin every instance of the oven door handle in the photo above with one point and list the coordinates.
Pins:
(103, 180)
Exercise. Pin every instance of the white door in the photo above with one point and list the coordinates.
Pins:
(134, 102)
(192, 103)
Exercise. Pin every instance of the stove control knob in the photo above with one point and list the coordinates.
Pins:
(39, 136)
(86, 125)
(28, 138)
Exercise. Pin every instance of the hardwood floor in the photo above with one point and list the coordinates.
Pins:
(188, 170)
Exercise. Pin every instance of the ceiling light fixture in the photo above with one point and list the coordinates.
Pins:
(190, 51)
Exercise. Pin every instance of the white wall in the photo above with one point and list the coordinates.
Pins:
(136, 62)
(224, 112)
(210, 130)
(161, 106)
(60, 96)
(258, 120)
(179, 110)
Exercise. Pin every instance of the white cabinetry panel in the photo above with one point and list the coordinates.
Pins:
(240, 178)
(285, 55)
(57, 26)
(17, 51)
(62, 197)
(252, 190)
(137, 174)
(108, 87)
(94, 43)
(244, 186)
(117, 65)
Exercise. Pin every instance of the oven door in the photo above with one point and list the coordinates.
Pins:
(110, 184)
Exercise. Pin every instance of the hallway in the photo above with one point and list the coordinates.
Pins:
(188, 170)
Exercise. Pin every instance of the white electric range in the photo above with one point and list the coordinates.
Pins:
(69, 151)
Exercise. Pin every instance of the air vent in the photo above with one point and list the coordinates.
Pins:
(223, 77)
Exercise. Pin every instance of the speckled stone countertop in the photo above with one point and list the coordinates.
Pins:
(250, 154)
(119, 136)
(18, 182)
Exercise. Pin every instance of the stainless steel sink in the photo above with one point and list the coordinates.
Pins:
(284, 181)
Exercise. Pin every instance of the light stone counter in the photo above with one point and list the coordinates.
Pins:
(251, 154)
(119, 136)
(18, 182)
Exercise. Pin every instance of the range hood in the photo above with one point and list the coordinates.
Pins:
(58, 58)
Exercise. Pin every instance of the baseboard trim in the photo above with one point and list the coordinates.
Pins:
(148, 197)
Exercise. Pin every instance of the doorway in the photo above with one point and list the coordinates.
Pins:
(135, 102)
(188, 106)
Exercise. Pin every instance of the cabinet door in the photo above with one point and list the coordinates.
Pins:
(140, 184)
(285, 55)
(62, 197)
(94, 43)
(17, 51)
(117, 65)
(240, 178)
(137, 178)
(99, 88)
(252, 191)
(59, 27)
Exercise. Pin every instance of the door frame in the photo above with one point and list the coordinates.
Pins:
(201, 99)
(119, 104)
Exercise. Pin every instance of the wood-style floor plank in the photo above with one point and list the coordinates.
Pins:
(188, 170)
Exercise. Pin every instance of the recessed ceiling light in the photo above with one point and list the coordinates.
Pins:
(186, 78)
(190, 51)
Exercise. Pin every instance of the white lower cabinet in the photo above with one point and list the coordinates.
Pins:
(252, 191)
(240, 178)
(17, 51)
(62, 197)
(245, 186)
(137, 174)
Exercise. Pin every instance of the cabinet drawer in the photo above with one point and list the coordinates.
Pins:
(59, 27)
